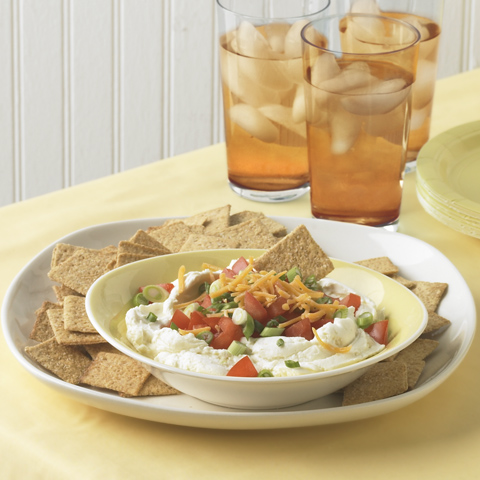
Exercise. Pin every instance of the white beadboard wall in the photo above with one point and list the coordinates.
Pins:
(94, 87)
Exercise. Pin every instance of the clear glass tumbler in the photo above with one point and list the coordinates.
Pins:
(359, 71)
(426, 16)
(263, 95)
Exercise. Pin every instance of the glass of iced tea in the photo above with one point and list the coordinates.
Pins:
(426, 16)
(358, 90)
(263, 95)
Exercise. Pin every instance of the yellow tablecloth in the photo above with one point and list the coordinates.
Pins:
(45, 435)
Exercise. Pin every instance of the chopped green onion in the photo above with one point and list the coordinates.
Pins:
(214, 287)
(249, 327)
(151, 317)
(311, 283)
(271, 332)
(229, 305)
(324, 300)
(240, 316)
(258, 326)
(292, 364)
(364, 320)
(265, 373)
(237, 348)
(191, 308)
(292, 273)
(206, 336)
(139, 299)
(173, 326)
(341, 313)
(204, 287)
(155, 293)
(272, 323)
(280, 342)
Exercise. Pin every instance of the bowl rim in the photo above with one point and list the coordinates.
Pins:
(167, 369)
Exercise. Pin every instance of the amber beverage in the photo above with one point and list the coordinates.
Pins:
(426, 16)
(358, 101)
(263, 97)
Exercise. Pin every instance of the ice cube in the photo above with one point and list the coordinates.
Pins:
(423, 87)
(378, 98)
(243, 87)
(269, 73)
(324, 68)
(298, 107)
(250, 42)
(419, 116)
(293, 41)
(365, 6)
(293, 70)
(420, 26)
(252, 121)
(348, 79)
(344, 128)
(283, 116)
(276, 33)
(315, 105)
(364, 34)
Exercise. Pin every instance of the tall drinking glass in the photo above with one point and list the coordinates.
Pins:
(426, 16)
(359, 71)
(263, 95)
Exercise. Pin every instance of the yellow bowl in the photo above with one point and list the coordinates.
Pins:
(106, 303)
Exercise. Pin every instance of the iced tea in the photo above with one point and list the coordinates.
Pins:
(264, 106)
(357, 142)
(424, 86)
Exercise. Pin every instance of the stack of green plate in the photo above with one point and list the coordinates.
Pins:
(448, 178)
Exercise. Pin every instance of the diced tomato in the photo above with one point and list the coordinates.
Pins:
(197, 320)
(256, 309)
(180, 320)
(320, 323)
(212, 322)
(229, 273)
(243, 368)
(303, 328)
(276, 308)
(227, 334)
(206, 302)
(379, 331)
(351, 300)
(239, 265)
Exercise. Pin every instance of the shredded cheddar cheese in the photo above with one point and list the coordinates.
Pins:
(181, 279)
(329, 347)
(195, 331)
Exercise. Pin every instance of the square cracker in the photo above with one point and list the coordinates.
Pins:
(81, 269)
(42, 329)
(143, 238)
(249, 234)
(207, 242)
(66, 362)
(174, 235)
(297, 249)
(62, 291)
(274, 227)
(126, 246)
(75, 316)
(380, 264)
(382, 380)
(65, 337)
(116, 371)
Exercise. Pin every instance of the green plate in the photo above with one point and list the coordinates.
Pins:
(448, 178)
